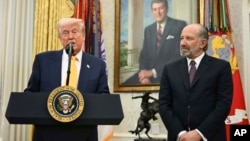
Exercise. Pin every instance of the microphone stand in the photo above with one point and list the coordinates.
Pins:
(69, 50)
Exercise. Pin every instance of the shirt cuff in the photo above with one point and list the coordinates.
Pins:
(182, 132)
(203, 137)
(154, 73)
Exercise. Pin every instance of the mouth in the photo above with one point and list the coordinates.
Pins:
(184, 49)
(73, 43)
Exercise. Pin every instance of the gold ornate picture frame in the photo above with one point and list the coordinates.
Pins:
(131, 17)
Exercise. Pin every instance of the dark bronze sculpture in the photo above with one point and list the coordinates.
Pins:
(149, 110)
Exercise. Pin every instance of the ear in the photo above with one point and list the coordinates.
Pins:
(203, 43)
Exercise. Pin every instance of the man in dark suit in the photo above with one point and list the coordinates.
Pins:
(195, 111)
(50, 71)
(160, 45)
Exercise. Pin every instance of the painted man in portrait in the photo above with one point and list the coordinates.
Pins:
(160, 45)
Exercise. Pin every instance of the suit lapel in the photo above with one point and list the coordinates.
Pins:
(164, 35)
(85, 72)
(153, 32)
(204, 65)
(166, 30)
(183, 68)
(168, 26)
(55, 66)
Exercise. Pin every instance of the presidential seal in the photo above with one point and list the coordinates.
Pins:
(65, 104)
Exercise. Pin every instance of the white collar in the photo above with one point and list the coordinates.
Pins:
(78, 55)
(197, 60)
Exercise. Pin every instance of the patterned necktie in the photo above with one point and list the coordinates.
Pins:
(73, 72)
(159, 34)
(192, 71)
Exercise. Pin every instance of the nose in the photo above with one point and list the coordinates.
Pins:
(158, 11)
(70, 35)
(182, 42)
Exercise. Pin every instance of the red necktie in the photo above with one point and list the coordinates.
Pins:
(192, 71)
(159, 33)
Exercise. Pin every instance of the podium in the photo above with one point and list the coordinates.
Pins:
(31, 108)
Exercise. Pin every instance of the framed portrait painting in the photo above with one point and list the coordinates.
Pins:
(135, 22)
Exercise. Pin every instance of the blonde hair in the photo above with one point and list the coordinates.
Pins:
(68, 21)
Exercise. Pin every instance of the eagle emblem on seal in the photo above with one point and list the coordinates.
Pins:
(65, 103)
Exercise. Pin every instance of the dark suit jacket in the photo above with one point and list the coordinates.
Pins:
(153, 57)
(46, 76)
(204, 105)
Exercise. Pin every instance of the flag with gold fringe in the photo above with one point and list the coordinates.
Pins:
(215, 16)
(90, 12)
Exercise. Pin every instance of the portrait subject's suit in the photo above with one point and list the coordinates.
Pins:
(203, 105)
(46, 76)
(152, 57)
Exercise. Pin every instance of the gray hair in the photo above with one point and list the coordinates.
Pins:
(203, 34)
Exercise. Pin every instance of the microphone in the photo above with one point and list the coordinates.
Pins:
(69, 50)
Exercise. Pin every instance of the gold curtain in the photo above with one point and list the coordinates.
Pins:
(47, 15)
